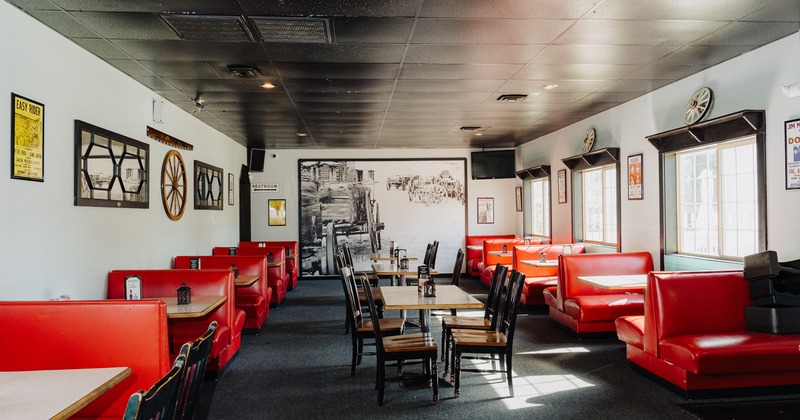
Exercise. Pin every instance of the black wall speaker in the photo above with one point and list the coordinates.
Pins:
(257, 160)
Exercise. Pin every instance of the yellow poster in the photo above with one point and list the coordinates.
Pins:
(277, 212)
(28, 139)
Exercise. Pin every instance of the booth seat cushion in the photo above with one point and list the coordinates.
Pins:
(604, 307)
(290, 247)
(630, 329)
(732, 352)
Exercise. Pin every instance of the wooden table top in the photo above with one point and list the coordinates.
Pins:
(537, 263)
(620, 281)
(394, 270)
(475, 247)
(501, 253)
(200, 306)
(245, 280)
(54, 394)
(276, 263)
(377, 256)
(447, 297)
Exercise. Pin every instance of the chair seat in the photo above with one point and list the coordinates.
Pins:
(469, 322)
(478, 338)
(409, 342)
(376, 294)
(386, 324)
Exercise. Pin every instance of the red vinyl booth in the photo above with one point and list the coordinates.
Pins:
(586, 308)
(89, 334)
(474, 254)
(277, 277)
(693, 336)
(292, 256)
(538, 278)
(165, 283)
(254, 299)
(487, 266)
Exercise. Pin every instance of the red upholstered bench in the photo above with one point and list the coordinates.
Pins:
(474, 254)
(586, 308)
(253, 299)
(693, 336)
(292, 256)
(538, 278)
(89, 334)
(277, 277)
(165, 283)
(490, 261)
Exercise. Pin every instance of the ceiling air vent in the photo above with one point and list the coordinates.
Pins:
(243, 71)
(289, 29)
(512, 97)
(470, 128)
(209, 28)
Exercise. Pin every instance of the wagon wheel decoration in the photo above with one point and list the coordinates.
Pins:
(173, 185)
(698, 106)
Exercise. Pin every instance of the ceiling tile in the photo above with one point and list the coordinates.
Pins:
(180, 69)
(471, 54)
(487, 31)
(64, 23)
(749, 33)
(234, 52)
(459, 71)
(638, 32)
(485, 86)
(338, 70)
(336, 53)
(603, 54)
(114, 25)
(219, 7)
(675, 9)
(373, 30)
(557, 72)
(779, 11)
(509, 9)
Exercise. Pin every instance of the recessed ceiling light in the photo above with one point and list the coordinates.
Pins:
(549, 87)
(300, 134)
(478, 134)
(267, 85)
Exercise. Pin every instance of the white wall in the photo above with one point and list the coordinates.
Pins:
(750, 81)
(49, 247)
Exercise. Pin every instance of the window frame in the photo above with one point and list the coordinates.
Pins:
(727, 128)
(529, 174)
(577, 164)
(547, 217)
(602, 170)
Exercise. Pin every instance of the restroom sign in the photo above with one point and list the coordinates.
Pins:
(264, 187)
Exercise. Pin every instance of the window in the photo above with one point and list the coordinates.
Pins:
(600, 205)
(713, 191)
(717, 200)
(540, 207)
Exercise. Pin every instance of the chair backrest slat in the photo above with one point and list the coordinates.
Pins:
(495, 294)
(194, 373)
(373, 313)
(158, 402)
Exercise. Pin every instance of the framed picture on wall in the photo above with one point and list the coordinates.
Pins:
(792, 130)
(485, 210)
(27, 145)
(635, 191)
(277, 212)
(562, 186)
(230, 189)
(518, 195)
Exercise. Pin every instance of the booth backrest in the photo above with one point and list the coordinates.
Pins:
(478, 239)
(250, 265)
(89, 334)
(531, 252)
(491, 245)
(574, 265)
(693, 302)
(165, 283)
(290, 246)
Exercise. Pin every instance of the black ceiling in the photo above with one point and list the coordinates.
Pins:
(410, 73)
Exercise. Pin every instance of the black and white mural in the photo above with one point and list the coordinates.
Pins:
(371, 202)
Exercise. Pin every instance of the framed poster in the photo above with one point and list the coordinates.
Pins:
(562, 186)
(230, 189)
(792, 130)
(485, 210)
(111, 170)
(277, 212)
(518, 195)
(635, 191)
(370, 202)
(27, 147)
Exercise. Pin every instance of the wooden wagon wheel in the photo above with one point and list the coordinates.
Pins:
(173, 185)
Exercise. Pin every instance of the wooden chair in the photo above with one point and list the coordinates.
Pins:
(432, 257)
(360, 328)
(400, 348)
(194, 372)
(344, 248)
(340, 262)
(160, 401)
(487, 322)
(498, 341)
(456, 279)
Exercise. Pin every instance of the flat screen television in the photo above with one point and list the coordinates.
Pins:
(493, 164)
